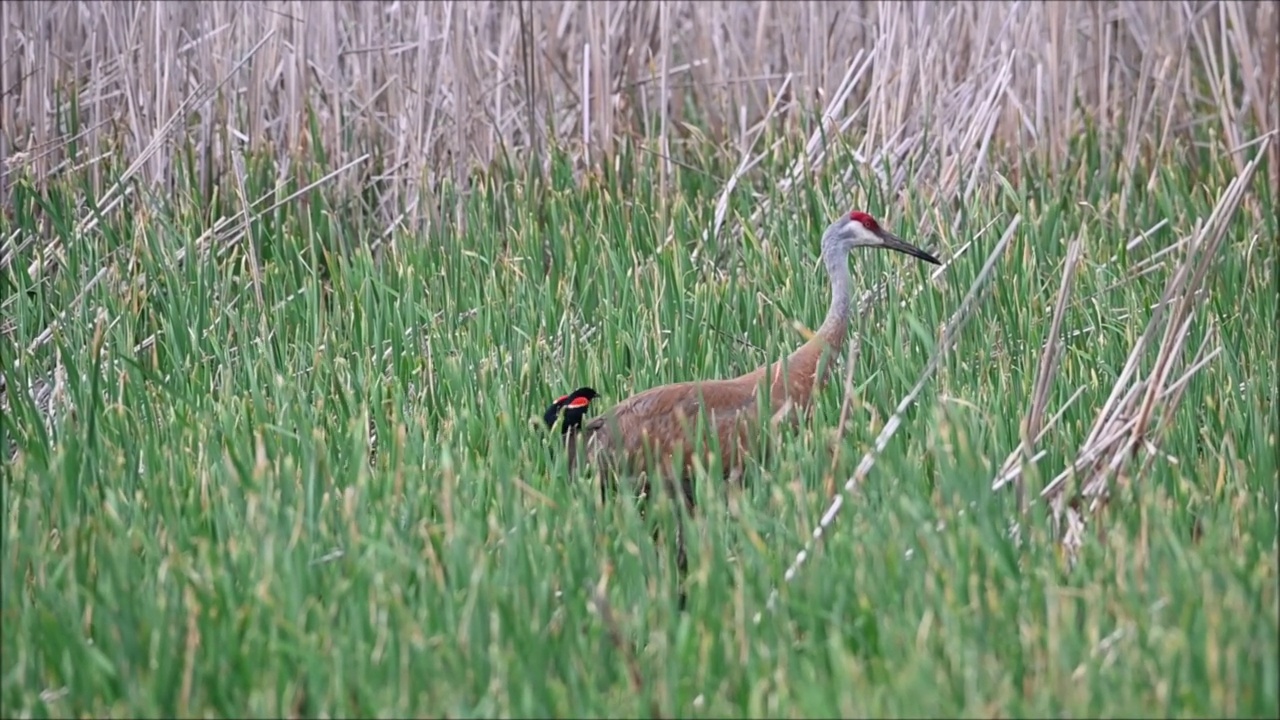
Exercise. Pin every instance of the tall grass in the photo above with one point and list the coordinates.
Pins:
(273, 415)
(206, 528)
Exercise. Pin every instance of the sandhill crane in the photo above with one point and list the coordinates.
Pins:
(656, 424)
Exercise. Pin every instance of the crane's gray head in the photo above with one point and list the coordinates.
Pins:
(858, 229)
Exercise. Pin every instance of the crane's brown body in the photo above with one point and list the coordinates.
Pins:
(660, 424)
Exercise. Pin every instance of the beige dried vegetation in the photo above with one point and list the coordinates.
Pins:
(436, 89)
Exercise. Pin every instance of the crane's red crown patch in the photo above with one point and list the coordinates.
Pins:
(867, 221)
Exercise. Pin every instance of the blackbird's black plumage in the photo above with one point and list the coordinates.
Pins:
(573, 407)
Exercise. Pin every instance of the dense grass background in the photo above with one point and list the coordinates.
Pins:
(206, 530)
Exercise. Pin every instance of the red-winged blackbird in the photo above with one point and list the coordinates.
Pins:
(573, 407)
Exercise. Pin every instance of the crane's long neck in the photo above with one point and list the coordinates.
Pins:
(806, 368)
(836, 323)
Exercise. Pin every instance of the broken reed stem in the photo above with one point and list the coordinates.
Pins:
(1033, 422)
(1123, 426)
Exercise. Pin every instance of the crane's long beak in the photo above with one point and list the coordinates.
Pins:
(893, 242)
